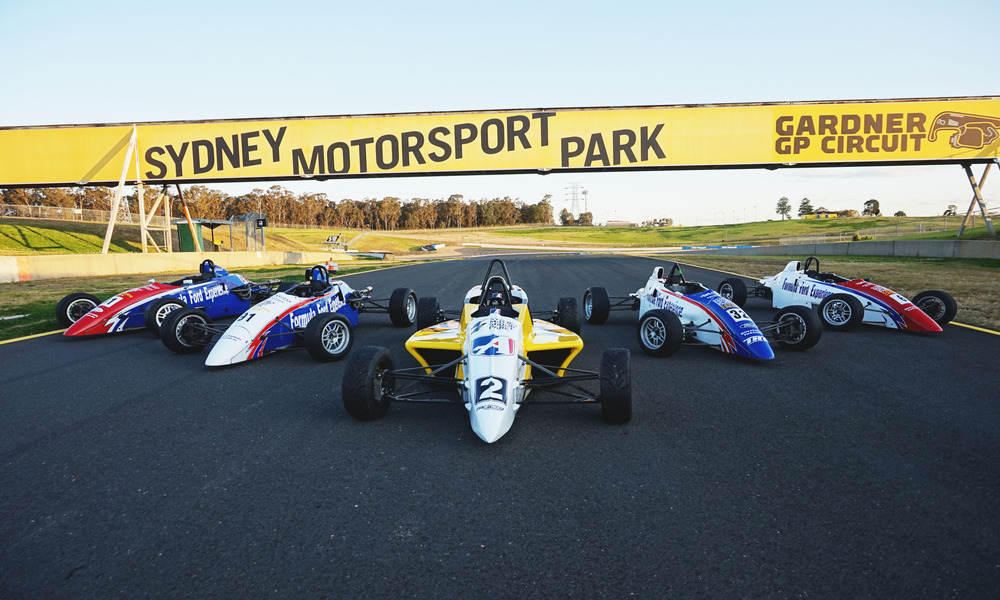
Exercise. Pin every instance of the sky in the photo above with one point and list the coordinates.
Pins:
(71, 62)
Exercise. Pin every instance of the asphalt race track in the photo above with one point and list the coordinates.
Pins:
(866, 467)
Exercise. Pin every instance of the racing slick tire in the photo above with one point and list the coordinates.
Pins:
(72, 307)
(797, 328)
(428, 312)
(660, 332)
(328, 337)
(186, 330)
(596, 305)
(403, 307)
(365, 391)
(938, 305)
(733, 289)
(158, 310)
(569, 314)
(616, 386)
(841, 312)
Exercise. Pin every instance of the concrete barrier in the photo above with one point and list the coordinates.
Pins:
(54, 266)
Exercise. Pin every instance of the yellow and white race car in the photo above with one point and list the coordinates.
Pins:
(494, 354)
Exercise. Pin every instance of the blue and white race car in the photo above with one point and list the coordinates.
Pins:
(673, 311)
(318, 313)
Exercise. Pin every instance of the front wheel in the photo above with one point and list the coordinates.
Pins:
(596, 305)
(72, 307)
(158, 310)
(660, 332)
(328, 337)
(841, 312)
(367, 389)
(186, 330)
(569, 314)
(734, 289)
(403, 307)
(797, 328)
(938, 305)
(616, 386)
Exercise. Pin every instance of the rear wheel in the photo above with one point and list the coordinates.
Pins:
(72, 307)
(596, 305)
(186, 330)
(403, 307)
(616, 386)
(328, 337)
(797, 328)
(841, 312)
(660, 332)
(428, 312)
(734, 289)
(938, 305)
(158, 310)
(366, 388)
(569, 314)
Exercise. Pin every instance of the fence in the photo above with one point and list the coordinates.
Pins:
(64, 213)
(909, 227)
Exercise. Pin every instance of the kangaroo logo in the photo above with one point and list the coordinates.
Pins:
(971, 131)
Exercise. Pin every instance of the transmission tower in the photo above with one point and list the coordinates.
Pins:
(574, 194)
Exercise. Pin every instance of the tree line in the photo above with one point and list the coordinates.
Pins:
(784, 208)
(284, 207)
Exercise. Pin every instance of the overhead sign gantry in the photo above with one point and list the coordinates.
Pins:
(927, 131)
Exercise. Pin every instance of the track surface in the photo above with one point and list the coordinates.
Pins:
(866, 467)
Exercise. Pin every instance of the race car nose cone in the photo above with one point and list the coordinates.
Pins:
(491, 424)
(82, 327)
(232, 347)
(761, 351)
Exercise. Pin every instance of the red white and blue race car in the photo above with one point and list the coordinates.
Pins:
(212, 290)
(846, 303)
(674, 311)
(318, 313)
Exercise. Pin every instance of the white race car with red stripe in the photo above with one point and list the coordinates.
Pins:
(317, 313)
(846, 303)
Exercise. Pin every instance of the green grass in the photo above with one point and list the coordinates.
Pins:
(760, 231)
(19, 237)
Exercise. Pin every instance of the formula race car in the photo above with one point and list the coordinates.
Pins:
(674, 311)
(493, 355)
(318, 313)
(846, 303)
(213, 290)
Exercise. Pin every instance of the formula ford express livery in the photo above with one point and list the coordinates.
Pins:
(213, 290)
(674, 311)
(846, 303)
(317, 313)
(494, 355)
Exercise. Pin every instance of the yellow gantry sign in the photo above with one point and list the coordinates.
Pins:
(918, 131)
